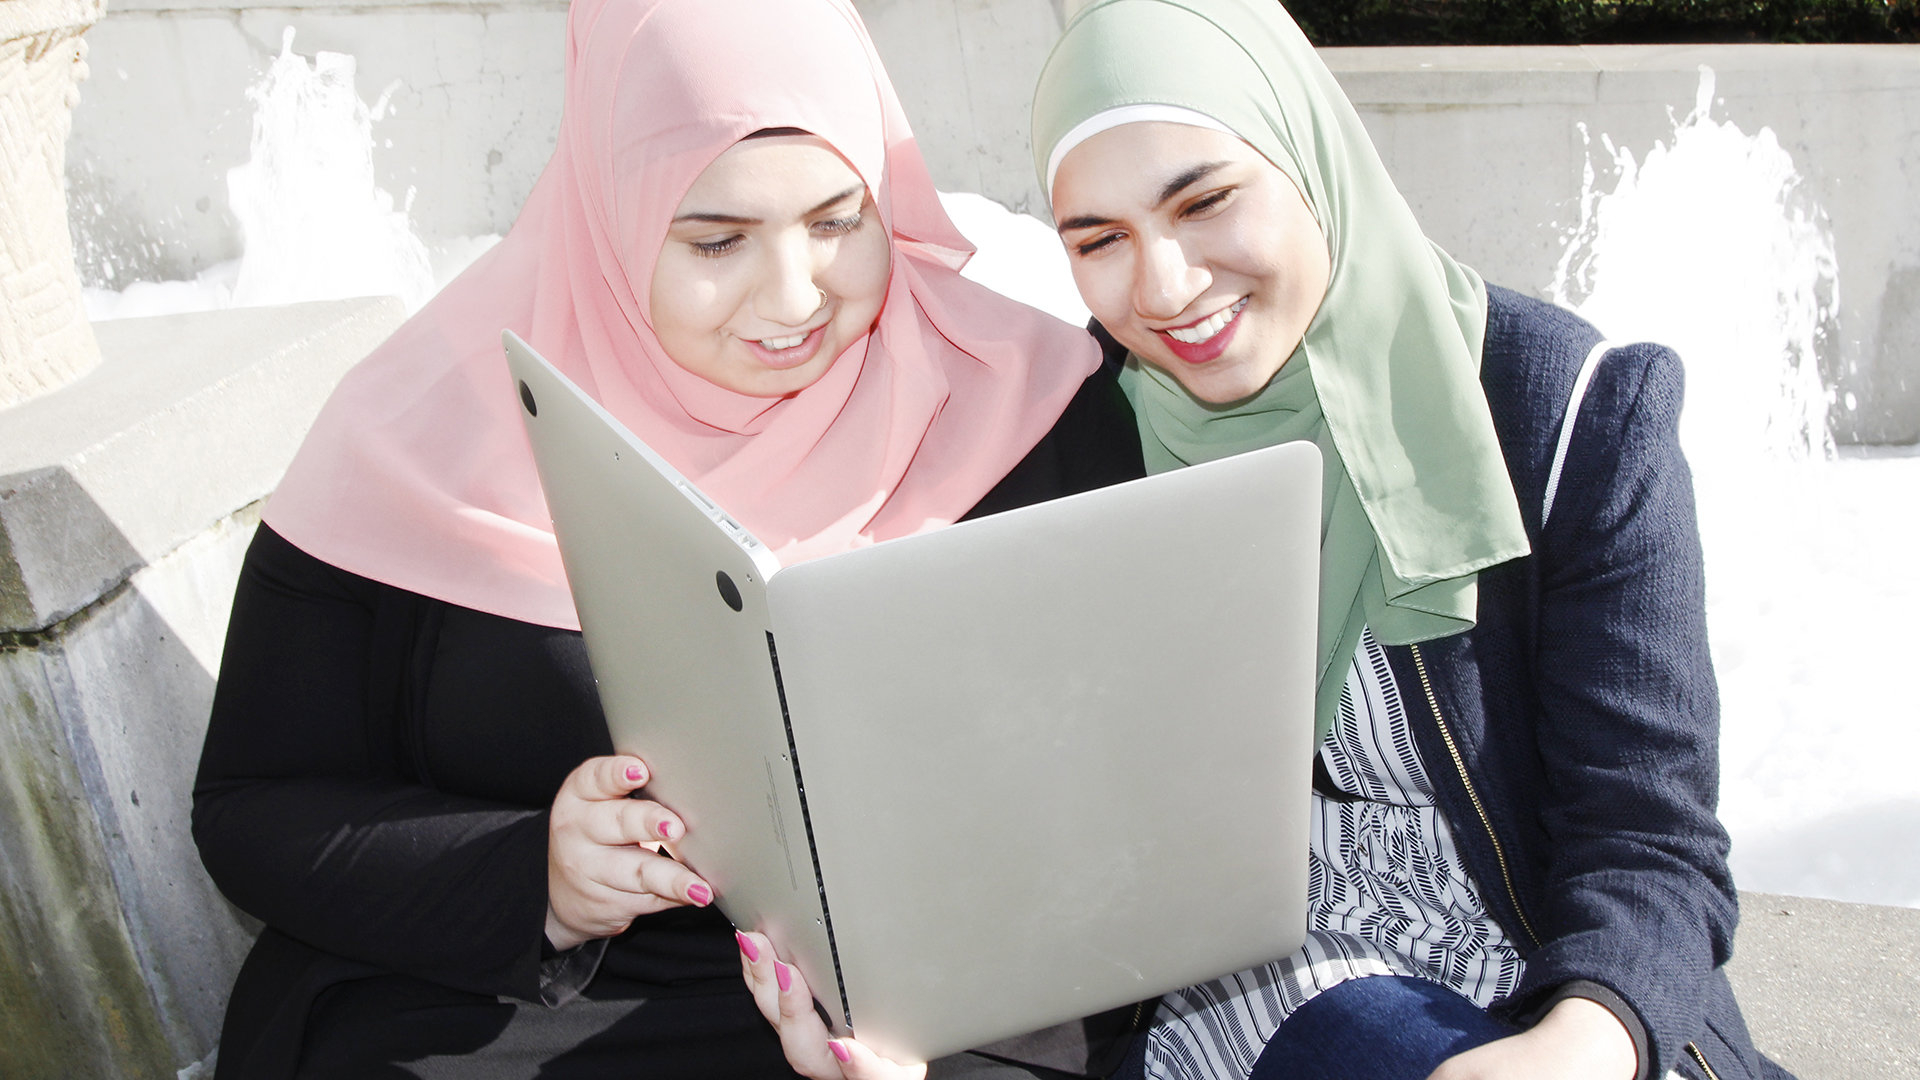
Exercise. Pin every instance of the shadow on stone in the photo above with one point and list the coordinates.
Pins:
(116, 951)
(127, 499)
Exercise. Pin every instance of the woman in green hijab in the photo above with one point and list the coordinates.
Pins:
(1516, 867)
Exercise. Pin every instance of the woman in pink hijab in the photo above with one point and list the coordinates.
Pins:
(407, 778)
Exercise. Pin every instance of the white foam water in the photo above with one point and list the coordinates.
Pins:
(1709, 245)
(316, 223)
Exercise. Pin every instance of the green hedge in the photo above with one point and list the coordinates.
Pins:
(1593, 22)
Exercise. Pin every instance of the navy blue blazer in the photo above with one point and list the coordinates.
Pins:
(1573, 734)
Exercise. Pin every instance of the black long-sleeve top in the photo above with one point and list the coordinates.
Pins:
(379, 766)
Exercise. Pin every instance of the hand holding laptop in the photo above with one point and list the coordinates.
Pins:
(781, 991)
(604, 867)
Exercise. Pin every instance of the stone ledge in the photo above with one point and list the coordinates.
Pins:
(187, 418)
(1532, 75)
(164, 7)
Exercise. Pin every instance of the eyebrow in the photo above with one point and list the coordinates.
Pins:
(1188, 178)
(1180, 182)
(733, 219)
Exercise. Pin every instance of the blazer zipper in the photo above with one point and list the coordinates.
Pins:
(1473, 795)
(1499, 851)
(1702, 1059)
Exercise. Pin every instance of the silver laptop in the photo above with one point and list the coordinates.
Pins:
(980, 780)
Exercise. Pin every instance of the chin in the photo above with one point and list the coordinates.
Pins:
(797, 380)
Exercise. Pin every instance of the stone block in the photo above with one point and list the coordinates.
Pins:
(126, 503)
(188, 418)
(116, 951)
(73, 998)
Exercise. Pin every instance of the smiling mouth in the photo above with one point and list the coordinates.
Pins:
(789, 350)
(1205, 329)
(782, 344)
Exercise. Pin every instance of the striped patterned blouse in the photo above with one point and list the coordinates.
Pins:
(1388, 895)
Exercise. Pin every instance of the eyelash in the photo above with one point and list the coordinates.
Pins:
(841, 226)
(1206, 203)
(1199, 207)
(1092, 246)
(714, 249)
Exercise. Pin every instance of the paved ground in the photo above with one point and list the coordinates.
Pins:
(1831, 990)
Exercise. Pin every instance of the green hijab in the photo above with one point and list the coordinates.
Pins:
(1416, 498)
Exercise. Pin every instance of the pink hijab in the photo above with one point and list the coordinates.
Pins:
(418, 472)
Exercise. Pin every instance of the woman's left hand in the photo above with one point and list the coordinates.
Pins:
(781, 992)
(1578, 1039)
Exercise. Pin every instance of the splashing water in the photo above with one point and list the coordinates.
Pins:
(316, 224)
(1710, 246)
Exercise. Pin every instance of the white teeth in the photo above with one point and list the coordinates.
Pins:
(1206, 328)
(778, 344)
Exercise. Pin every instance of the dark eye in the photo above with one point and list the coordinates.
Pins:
(1210, 201)
(1097, 243)
(713, 249)
(839, 226)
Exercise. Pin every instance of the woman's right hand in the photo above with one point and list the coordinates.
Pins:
(604, 867)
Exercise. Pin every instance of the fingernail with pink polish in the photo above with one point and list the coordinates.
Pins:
(665, 829)
(840, 1051)
(747, 946)
(700, 894)
(634, 773)
(784, 975)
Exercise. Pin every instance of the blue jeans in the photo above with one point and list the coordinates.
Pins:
(1381, 1027)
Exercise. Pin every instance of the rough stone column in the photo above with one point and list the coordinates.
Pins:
(45, 340)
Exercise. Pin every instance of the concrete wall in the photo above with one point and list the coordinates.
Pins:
(1487, 146)
(471, 118)
(1484, 142)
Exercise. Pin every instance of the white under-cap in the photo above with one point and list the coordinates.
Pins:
(1127, 114)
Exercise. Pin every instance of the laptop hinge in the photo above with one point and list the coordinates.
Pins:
(806, 818)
